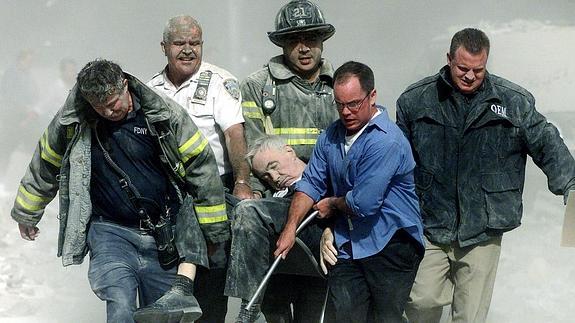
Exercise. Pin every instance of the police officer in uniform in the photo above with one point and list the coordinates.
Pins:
(212, 98)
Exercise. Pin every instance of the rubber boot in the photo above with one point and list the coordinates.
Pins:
(177, 305)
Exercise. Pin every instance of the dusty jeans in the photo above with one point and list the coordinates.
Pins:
(123, 263)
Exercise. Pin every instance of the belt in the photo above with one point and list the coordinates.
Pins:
(139, 225)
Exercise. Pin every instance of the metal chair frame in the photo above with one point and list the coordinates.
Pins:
(295, 267)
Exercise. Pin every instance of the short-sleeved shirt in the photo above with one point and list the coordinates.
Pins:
(213, 107)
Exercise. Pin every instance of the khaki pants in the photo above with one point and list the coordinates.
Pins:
(462, 277)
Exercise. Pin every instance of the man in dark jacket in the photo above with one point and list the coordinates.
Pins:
(471, 132)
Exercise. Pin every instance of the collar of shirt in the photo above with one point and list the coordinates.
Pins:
(349, 140)
(161, 79)
(486, 90)
(285, 191)
(381, 120)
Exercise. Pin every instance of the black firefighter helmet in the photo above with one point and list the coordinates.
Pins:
(299, 16)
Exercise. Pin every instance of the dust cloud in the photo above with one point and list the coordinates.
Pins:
(403, 41)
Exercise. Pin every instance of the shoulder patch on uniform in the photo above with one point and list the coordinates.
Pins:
(233, 88)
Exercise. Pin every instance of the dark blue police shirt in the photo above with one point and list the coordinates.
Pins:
(136, 152)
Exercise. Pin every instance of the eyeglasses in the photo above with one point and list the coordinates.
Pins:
(353, 106)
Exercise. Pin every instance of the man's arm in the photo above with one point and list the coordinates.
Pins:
(328, 205)
(229, 117)
(236, 146)
(310, 188)
(549, 152)
(39, 185)
(299, 207)
(372, 180)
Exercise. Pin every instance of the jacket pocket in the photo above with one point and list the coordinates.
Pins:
(431, 200)
(503, 204)
(423, 179)
(423, 183)
(200, 110)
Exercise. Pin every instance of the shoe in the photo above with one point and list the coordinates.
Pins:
(173, 307)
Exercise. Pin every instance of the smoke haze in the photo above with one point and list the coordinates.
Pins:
(403, 41)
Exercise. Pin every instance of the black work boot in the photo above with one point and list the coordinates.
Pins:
(248, 316)
(177, 305)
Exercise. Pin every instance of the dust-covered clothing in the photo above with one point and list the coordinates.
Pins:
(468, 291)
(276, 101)
(123, 265)
(255, 229)
(376, 179)
(380, 242)
(62, 162)
(212, 98)
(301, 110)
(131, 146)
(471, 153)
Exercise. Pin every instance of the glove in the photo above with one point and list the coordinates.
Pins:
(328, 253)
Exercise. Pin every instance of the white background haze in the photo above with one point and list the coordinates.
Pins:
(533, 45)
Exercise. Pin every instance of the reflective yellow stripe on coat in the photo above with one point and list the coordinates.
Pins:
(47, 153)
(211, 214)
(193, 147)
(251, 110)
(29, 201)
(298, 136)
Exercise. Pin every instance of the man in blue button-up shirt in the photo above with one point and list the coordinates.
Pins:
(361, 176)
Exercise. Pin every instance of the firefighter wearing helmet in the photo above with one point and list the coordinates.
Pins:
(299, 17)
(291, 97)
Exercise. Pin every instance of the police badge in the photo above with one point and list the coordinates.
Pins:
(233, 88)
(201, 92)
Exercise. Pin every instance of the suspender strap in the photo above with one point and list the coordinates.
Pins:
(126, 184)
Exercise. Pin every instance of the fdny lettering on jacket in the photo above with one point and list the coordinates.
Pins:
(140, 131)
